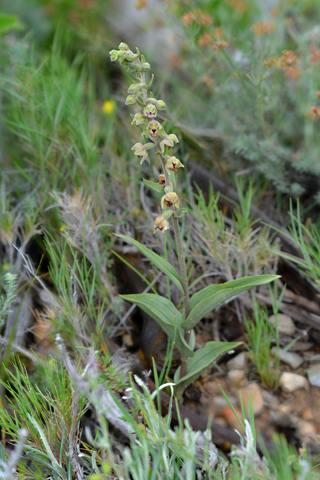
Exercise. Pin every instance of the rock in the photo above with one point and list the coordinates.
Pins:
(290, 358)
(270, 400)
(231, 419)
(238, 362)
(285, 324)
(306, 428)
(253, 393)
(290, 382)
(314, 375)
(237, 377)
(307, 414)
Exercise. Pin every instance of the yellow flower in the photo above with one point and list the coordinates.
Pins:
(108, 107)
(160, 224)
(168, 141)
(170, 199)
(172, 165)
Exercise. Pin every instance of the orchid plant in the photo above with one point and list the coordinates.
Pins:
(178, 325)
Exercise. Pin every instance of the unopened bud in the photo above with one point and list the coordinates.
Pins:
(130, 100)
(133, 88)
(113, 55)
(145, 67)
(123, 46)
(161, 105)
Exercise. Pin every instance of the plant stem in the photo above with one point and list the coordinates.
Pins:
(182, 263)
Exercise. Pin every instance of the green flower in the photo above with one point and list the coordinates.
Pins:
(113, 55)
(150, 111)
(140, 150)
(173, 164)
(139, 119)
(153, 129)
(169, 141)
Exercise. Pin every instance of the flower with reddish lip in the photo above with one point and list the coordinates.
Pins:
(153, 129)
(150, 111)
(169, 141)
(162, 180)
(160, 224)
(173, 164)
(170, 199)
(139, 119)
(140, 150)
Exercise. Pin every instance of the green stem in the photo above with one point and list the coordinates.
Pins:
(182, 263)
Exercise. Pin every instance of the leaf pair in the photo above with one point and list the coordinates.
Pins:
(164, 312)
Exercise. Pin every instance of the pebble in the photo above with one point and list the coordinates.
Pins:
(290, 382)
(306, 428)
(231, 419)
(253, 393)
(285, 323)
(237, 377)
(314, 375)
(307, 414)
(290, 358)
(238, 362)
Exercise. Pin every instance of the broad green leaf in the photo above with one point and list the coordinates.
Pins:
(154, 186)
(210, 297)
(202, 359)
(165, 314)
(7, 22)
(158, 261)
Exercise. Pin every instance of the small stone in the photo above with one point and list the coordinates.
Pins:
(237, 377)
(290, 358)
(290, 382)
(314, 375)
(253, 393)
(285, 323)
(306, 428)
(238, 362)
(231, 419)
(307, 414)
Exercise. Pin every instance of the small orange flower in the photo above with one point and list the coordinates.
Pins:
(292, 72)
(218, 46)
(205, 40)
(315, 55)
(315, 111)
(263, 28)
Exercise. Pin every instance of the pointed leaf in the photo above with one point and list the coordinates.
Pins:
(154, 186)
(202, 359)
(210, 297)
(165, 314)
(158, 261)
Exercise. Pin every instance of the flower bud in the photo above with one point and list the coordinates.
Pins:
(123, 46)
(145, 67)
(133, 88)
(113, 55)
(130, 100)
(161, 105)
